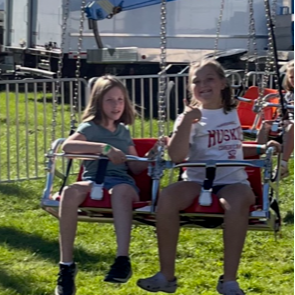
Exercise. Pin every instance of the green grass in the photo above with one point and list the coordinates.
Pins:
(29, 241)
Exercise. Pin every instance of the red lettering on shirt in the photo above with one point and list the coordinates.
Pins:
(221, 135)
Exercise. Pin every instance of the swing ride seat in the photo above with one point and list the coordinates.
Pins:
(101, 210)
(194, 216)
(245, 109)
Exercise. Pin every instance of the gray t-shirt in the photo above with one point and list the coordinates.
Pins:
(119, 139)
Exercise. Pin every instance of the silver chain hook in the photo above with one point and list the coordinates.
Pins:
(78, 68)
(218, 30)
(162, 77)
(55, 101)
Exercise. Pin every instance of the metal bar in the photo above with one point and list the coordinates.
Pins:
(223, 163)
(142, 106)
(7, 131)
(151, 106)
(133, 102)
(36, 129)
(27, 130)
(17, 129)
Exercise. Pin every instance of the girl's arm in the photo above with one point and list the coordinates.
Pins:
(77, 143)
(135, 166)
(178, 146)
(251, 150)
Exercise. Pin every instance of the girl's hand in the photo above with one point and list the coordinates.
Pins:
(116, 156)
(192, 113)
(275, 144)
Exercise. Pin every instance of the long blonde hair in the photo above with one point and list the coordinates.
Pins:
(286, 84)
(228, 100)
(94, 111)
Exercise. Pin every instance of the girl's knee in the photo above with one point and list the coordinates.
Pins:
(232, 198)
(74, 193)
(124, 192)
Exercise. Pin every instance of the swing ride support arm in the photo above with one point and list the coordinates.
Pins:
(46, 201)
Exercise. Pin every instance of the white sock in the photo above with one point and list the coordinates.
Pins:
(66, 263)
(231, 285)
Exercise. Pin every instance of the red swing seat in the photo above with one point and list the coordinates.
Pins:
(245, 109)
(142, 180)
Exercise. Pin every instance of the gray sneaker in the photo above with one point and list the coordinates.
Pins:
(220, 290)
(157, 283)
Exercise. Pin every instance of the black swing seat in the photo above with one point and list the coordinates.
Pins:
(261, 215)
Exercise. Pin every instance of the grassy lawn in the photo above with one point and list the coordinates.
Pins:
(29, 236)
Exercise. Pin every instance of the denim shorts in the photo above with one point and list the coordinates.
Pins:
(111, 181)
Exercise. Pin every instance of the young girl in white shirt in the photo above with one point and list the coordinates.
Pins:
(209, 129)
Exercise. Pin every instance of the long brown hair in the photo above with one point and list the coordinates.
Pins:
(94, 111)
(286, 84)
(228, 100)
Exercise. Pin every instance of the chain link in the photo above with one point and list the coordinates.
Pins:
(218, 30)
(78, 68)
(162, 75)
(56, 98)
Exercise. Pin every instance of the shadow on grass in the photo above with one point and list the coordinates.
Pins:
(49, 250)
(20, 284)
(14, 189)
(289, 218)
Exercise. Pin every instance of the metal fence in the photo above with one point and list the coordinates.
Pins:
(26, 112)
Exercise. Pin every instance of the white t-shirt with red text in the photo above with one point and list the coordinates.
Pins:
(217, 136)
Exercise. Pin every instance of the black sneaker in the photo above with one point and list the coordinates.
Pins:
(120, 271)
(66, 280)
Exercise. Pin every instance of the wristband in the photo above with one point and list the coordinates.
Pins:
(106, 149)
(258, 149)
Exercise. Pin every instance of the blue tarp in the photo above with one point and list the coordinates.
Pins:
(99, 10)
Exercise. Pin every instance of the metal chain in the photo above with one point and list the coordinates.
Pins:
(251, 40)
(270, 57)
(162, 75)
(55, 101)
(273, 15)
(78, 68)
(218, 30)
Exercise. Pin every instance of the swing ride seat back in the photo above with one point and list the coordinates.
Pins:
(245, 109)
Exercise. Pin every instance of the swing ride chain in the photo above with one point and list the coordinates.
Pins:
(156, 171)
(251, 37)
(219, 27)
(162, 76)
(78, 68)
(57, 94)
(269, 58)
